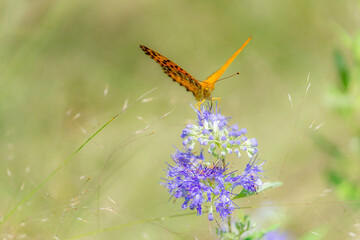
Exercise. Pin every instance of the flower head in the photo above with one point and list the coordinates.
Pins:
(203, 183)
(199, 184)
(213, 129)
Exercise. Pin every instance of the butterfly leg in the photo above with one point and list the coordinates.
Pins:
(198, 105)
(219, 101)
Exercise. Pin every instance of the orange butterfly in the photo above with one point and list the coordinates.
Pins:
(201, 90)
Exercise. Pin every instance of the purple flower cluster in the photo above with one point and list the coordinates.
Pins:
(212, 130)
(276, 235)
(250, 178)
(208, 184)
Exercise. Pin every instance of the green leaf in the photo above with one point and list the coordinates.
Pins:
(329, 147)
(342, 69)
(246, 193)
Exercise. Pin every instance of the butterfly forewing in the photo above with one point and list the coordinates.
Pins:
(174, 71)
(215, 76)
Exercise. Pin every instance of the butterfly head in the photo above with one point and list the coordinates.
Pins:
(206, 90)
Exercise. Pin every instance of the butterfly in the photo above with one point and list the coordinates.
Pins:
(201, 90)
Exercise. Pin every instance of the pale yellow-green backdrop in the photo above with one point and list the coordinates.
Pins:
(58, 57)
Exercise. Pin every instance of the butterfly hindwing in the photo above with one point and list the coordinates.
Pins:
(174, 71)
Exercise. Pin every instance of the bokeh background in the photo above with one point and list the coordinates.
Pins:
(67, 67)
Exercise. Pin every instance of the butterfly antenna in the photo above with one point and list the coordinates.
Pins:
(229, 76)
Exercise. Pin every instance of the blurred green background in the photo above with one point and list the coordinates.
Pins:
(58, 57)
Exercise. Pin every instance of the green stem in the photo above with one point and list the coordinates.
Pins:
(229, 223)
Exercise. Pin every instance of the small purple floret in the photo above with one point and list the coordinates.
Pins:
(205, 131)
(243, 130)
(185, 133)
(254, 142)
